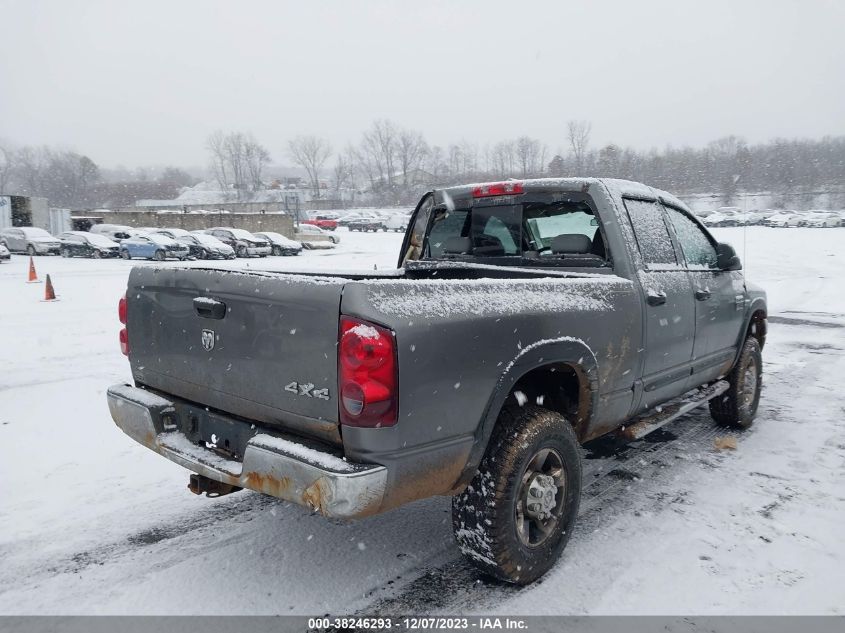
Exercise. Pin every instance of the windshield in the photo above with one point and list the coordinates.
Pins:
(242, 235)
(99, 240)
(30, 231)
(207, 240)
(537, 230)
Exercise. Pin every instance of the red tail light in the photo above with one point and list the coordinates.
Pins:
(124, 335)
(367, 380)
(508, 188)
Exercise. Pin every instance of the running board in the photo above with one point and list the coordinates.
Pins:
(645, 424)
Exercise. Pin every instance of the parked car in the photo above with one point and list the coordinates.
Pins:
(86, 244)
(4, 253)
(172, 233)
(769, 219)
(327, 222)
(205, 246)
(365, 224)
(307, 230)
(280, 244)
(785, 220)
(153, 246)
(821, 219)
(529, 317)
(116, 232)
(397, 222)
(726, 216)
(244, 243)
(29, 240)
(345, 220)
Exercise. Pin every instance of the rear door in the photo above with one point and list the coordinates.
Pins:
(719, 298)
(259, 346)
(412, 245)
(668, 305)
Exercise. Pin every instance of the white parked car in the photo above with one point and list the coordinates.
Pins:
(397, 222)
(726, 216)
(306, 230)
(822, 219)
(784, 221)
(30, 240)
(116, 232)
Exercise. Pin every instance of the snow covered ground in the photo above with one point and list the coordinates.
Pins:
(92, 523)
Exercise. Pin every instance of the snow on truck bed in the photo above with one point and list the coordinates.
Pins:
(91, 522)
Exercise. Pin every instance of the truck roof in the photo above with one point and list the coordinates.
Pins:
(614, 185)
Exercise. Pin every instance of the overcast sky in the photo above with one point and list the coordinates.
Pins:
(145, 82)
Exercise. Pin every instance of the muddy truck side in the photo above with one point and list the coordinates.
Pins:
(524, 319)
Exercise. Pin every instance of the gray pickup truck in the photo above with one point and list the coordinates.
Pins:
(524, 319)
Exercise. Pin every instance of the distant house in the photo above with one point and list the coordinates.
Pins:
(412, 178)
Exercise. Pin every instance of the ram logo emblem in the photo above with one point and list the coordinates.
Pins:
(208, 340)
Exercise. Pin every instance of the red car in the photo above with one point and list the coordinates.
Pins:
(323, 221)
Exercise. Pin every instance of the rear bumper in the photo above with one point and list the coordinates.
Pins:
(271, 465)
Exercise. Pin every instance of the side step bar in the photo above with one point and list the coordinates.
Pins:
(653, 420)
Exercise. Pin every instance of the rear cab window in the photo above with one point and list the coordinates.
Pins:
(534, 228)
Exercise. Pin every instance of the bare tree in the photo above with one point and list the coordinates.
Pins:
(411, 148)
(310, 152)
(531, 156)
(237, 162)
(579, 141)
(378, 147)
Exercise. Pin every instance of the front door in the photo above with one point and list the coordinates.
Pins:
(719, 299)
(668, 306)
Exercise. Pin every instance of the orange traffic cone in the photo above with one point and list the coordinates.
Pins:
(49, 293)
(33, 276)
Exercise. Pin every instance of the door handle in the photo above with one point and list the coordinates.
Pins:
(702, 295)
(656, 298)
(209, 308)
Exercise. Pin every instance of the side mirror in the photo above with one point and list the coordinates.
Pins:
(726, 258)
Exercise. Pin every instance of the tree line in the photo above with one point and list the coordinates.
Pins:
(390, 165)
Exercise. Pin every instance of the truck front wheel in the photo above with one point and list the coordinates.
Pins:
(517, 514)
(738, 405)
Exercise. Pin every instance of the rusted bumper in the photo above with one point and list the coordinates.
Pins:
(273, 465)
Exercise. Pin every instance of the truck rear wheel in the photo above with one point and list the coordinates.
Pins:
(517, 514)
(738, 405)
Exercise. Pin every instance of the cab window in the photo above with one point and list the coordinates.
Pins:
(698, 249)
(651, 233)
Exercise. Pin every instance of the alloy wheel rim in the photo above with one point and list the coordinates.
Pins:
(540, 498)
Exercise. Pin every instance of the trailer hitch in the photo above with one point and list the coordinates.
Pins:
(211, 487)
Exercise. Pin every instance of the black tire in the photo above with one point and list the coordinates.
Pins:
(242, 251)
(65, 253)
(159, 256)
(203, 254)
(125, 254)
(738, 405)
(30, 250)
(277, 251)
(97, 255)
(491, 517)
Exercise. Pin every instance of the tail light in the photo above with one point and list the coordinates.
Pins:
(508, 188)
(367, 380)
(124, 335)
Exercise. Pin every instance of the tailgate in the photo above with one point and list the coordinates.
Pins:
(258, 345)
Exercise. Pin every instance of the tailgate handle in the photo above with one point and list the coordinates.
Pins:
(209, 308)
